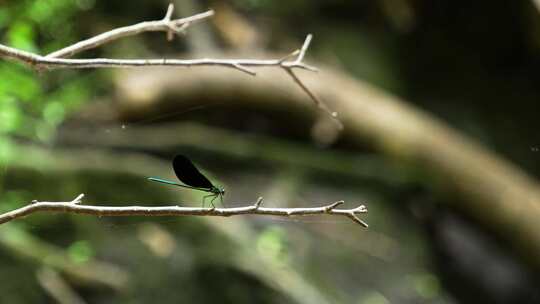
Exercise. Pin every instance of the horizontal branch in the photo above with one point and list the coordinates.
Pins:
(52, 63)
(75, 206)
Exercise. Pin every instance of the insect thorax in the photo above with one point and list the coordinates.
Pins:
(218, 191)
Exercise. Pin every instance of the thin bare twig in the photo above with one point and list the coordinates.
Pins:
(258, 202)
(288, 67)
(316, 100)
(75, 206)
(176, 26)
(52, 63)
(304, 48)
(57, 59)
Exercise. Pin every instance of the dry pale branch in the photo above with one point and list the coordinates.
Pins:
(301, 53)
(57, 287)
(57, 59)
(176, 26)
(75, 206)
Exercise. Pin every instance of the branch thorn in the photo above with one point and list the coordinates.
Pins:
(78, 199)
(333, 205)
(259, 202)
(244, 69)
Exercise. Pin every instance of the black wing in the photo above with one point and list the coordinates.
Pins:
(188, 173)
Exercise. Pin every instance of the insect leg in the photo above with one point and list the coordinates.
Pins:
(212, 201)
(204, 198)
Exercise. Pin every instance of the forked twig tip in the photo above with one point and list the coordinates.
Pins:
(361, 209)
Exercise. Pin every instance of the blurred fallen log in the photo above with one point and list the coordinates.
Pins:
(488, 188)
(57, 287)
(26, 246)
(235, 145)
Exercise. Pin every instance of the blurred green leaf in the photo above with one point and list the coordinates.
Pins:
(44, 131)
(40, 11)
(13, 199)
(22, 35)
(272, 243)
(72, 93)
(13, 234)
(426, 285)
(6, 151)
(10, 115)
(54, 113)
(32, 106)
(44, 11)
(18, 82)
(4, 16)
(81, 251)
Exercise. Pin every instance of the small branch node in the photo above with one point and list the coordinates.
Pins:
(78, 199)
(289, 56)
(183, 27)
(244, 69)
(170, 35)
(167, 20)
(307, 67)
(259, 202)
(333, 206)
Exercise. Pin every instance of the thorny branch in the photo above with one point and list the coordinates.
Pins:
(75, 206)
(57, 59)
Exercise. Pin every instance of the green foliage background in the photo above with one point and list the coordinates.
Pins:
(32, 106)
